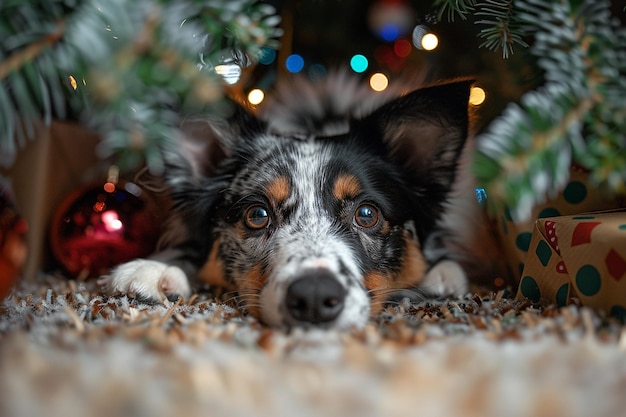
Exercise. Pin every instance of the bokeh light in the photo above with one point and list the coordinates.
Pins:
(424, 39)
(294, 63)
(402, 48)
(358, 63)
(379, 81)
(111, 221)
(256, 96)
(389, 32)
(109, 187)
(267, 55)
(429, 41)
(230, 72)
(418, 33)
(477, 96)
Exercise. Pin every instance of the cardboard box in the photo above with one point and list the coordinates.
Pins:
(46, 170)
(581, 256)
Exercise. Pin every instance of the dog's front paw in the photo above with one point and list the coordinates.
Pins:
(445, 278)
(148, 280)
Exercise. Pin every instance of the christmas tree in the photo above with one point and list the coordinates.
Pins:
(130, 69)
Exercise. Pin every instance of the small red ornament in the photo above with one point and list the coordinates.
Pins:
(102, 225)
(13, 248)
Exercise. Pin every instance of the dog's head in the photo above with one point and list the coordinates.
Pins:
(320, 230)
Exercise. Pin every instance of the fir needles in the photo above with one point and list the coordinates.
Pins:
(579, 115)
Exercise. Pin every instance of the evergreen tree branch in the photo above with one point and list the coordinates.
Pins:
(16, 60)
(452, 8)
(525, 155)
(140, 65)
(501, 30)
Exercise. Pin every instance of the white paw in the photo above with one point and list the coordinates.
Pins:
(147, 279)
(445, 278)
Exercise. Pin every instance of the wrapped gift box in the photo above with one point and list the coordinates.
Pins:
(577, 197)
(581, 256)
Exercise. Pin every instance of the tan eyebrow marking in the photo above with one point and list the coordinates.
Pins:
(278, 189)
(346, 186)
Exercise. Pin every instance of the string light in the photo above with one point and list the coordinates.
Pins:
(477, 96)
(256, 96)
(379, 81)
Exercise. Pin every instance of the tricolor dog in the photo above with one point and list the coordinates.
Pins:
(320, 209)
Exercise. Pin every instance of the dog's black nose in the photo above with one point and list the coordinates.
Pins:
(315, 297)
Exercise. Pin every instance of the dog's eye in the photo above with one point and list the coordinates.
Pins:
(257, 217)
(366, 216)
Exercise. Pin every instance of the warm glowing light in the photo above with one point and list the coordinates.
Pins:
(111, 221)
(230, 72)
(256, 96)
(109, 187)
(99, 206)
(358, 63)
(429, 41)
(73, 82)
(477, 96)
(379, 82)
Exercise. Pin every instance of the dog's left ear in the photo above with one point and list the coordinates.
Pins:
(424, 133)
(205, 143)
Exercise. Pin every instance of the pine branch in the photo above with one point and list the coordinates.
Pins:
(502, 29)
(28, 88)
(452, 8)
(140, 65)
(524, 156)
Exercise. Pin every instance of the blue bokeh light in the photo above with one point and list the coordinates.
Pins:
(267, 55)
(294, 63)
(389, 32)
(358, 63)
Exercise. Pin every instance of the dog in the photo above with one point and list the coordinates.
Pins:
(320, 209)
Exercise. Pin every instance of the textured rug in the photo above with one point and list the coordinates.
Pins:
(66, 350)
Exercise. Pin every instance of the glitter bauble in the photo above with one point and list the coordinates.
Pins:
(100, 226)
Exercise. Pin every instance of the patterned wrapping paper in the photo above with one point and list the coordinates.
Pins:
(577, 197)
(581, 256)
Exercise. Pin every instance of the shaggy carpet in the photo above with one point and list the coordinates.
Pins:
(66, 350)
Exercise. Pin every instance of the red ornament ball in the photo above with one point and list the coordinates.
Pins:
(13, 247)
(100, 226)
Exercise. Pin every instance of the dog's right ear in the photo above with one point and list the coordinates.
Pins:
(206, 142)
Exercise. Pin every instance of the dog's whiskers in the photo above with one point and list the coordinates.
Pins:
(246, 298)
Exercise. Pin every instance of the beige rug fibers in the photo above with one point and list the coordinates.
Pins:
(66, 350)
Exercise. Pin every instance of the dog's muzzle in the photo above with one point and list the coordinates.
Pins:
(315, 297)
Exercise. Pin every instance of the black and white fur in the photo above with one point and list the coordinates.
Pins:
(330, 203)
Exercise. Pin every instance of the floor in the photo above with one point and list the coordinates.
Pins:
(66, 350)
